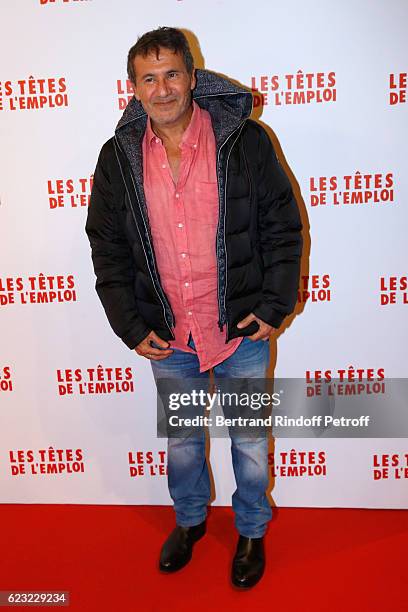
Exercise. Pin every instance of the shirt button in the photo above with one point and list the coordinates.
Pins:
(183, 255)
(189, 312)
(186, 284)
(180, 225)
(195, 146)
(177, 195)
(163, 165)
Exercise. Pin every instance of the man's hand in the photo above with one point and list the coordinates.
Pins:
(145, 349)
(264, 330)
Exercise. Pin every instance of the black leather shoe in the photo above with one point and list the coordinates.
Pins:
(249, 562)
(178, 548)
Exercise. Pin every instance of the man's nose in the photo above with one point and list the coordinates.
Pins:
(163, 89)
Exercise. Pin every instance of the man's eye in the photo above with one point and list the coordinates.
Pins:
(172, 74)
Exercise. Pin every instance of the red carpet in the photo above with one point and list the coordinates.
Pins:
(106, 556)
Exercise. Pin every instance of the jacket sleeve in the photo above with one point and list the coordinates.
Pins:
(280, 238)
(112, 259)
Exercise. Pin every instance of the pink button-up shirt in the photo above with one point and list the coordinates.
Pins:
(183, 219)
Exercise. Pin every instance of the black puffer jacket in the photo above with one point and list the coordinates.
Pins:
(258, 244)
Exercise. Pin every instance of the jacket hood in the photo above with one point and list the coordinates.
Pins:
(227, 103)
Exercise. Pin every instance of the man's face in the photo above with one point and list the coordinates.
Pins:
(163, 86)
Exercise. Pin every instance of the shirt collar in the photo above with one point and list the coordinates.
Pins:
(191, 134)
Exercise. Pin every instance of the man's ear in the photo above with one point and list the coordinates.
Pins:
(193, 79)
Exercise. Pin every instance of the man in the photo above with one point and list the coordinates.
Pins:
(196, 245)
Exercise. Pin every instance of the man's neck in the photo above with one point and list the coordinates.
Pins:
(172, 134)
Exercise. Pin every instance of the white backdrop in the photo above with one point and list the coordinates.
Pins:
(334, 78)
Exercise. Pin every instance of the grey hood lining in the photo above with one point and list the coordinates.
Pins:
(227, 104)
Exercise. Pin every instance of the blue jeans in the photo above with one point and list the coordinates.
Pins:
(188, 476)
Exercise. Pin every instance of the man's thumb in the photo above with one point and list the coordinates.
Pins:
(245, 321)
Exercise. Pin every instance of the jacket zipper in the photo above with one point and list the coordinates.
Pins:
(222, 309)
(155, 282)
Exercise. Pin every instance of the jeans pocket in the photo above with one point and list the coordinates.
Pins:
(153, 344)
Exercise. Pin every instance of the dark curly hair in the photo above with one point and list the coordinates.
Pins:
(169, 38)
